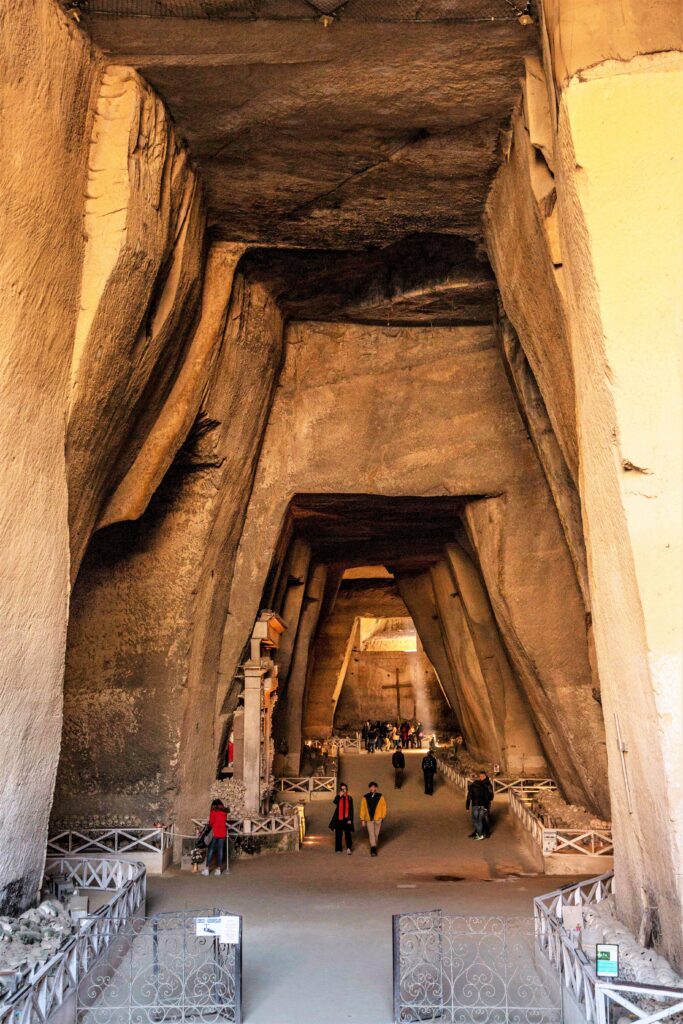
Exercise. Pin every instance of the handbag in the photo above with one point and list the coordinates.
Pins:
(205, 836)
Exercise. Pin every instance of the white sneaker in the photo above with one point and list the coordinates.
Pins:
(205, 871)
(216, 872)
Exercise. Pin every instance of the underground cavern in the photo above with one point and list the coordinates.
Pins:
(362, 318)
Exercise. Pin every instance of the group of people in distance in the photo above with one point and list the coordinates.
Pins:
(391, 735)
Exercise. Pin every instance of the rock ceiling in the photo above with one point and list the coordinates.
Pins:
(342, 136)
(405, 534)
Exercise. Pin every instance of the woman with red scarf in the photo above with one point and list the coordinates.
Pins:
(341, 822)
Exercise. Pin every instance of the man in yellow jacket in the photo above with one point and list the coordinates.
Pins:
(373, 811)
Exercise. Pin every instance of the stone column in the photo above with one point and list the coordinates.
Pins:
(299, 559)
(477, 713)
(251, 770)
(292, 705)
(238, 741)
(520, 747)
(418, 594)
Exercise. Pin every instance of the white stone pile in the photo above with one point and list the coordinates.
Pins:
(555, 812)
(233, 794)
(32, 938)
(636, 963)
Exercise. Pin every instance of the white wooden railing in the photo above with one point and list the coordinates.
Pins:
(260, 825)
(109, 840)
(594, 842)
(501, 783)
(522, 785)
(45, 988)
(349, 743)
(595, 996)
(309, 786)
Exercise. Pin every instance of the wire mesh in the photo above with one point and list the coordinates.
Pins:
(352, 10)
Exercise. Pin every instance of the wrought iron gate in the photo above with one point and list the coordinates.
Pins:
(160, 969)
(470, 970)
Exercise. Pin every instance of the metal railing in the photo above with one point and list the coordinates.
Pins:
(595, 996)
(109, 840)
(47, 986)
(481, 969)
(174, 966)
(309, 786)
(594, 842)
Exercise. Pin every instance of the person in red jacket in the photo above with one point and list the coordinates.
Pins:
(218, 823)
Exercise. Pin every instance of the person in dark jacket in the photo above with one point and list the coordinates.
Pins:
(483, 777)
(399, 762)
(341, 822)
(429, 767)
(479, 799)
(373, 811)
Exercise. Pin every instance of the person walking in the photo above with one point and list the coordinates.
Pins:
(419, 734)
(341, 822)
(373, 811)
(479, 800)
(372, 738)
(429, 767)
(218, 823)
(364, 734)
(399, 763)
(483, 777)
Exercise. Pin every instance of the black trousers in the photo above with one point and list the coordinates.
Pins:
(398, 778)
(429, 782)
(339, 831)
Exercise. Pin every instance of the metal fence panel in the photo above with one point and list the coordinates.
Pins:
(159, 969)
(469, 970)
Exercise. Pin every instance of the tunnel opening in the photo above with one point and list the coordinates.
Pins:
(387, 618)
(389, 679)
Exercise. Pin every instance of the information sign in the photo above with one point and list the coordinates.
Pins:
(606, 960)
(225, 928)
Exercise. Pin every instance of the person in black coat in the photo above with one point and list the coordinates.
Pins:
(341, 822)
(429, 771)
(479, 797)
(399, 762)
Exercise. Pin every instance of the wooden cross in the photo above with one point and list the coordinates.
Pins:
(398, 686)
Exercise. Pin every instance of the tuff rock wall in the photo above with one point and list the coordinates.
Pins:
(605, 243)
(103, 229)
(150, 601)
(50, 80)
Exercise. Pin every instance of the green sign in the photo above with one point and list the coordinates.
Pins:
(606, 961)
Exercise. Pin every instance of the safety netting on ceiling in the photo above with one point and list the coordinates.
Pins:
(357, 10)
